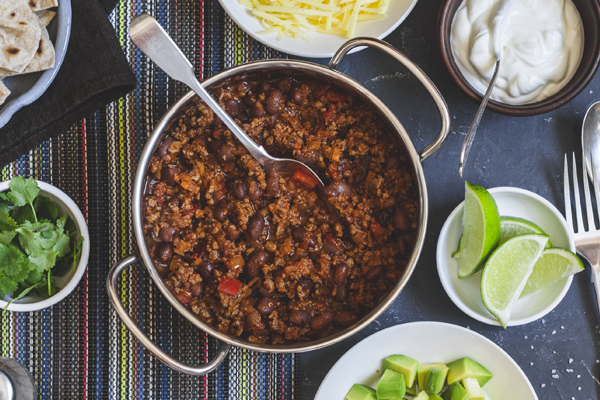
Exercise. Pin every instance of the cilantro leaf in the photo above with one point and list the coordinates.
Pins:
(23, 192)
(5, 203)
(6, 222)
(77, 252)
(44, 261)
(61, 222)
(62, 246)
(9, 255)
(23, 294)
(29, 241)
(34, 276)
(23, 214)
(45, 208)
(7, 285)
(7, 237)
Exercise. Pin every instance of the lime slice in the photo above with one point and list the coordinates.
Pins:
(506, 272)
(552, 266)
(481, 230)
(513, 226)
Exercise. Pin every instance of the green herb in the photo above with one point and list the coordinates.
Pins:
(35, 243)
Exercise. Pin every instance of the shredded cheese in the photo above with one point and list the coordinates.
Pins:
(296, 18)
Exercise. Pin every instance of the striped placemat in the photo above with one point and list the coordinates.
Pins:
(79, 349)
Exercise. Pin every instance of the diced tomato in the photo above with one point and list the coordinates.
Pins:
(304, 179)
(183, 297)
(335, 96)
(229, 285)
(376, 229)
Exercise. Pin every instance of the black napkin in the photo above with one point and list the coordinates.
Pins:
(94, 73)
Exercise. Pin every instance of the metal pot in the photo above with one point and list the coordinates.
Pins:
(275, 68)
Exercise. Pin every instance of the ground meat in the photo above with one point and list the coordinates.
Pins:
(258, 255)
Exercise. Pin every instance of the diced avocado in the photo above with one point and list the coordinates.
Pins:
(422, 396)
(455, 392)
(413, 389)
(422, 370)
(467, 368)
(403, 364)
(392, 385)
(361, 392)
(435, 397)
(435, 379)
(472, 387)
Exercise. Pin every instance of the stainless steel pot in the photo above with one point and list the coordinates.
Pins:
(275, 68)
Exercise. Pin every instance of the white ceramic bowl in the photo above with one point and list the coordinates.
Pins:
(321, 45)
(465, 293)
(69, 280)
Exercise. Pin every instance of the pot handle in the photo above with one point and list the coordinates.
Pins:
(139, 334)
(412, 67)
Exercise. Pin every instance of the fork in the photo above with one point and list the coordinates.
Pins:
(587, 242)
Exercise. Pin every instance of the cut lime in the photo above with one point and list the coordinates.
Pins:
(481, 230)
(552, 266)
(514, 226)
(506, 272)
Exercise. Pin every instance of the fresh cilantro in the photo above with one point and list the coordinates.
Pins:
(44, 261)
(5, 203)
(23, 192)
(45, 208)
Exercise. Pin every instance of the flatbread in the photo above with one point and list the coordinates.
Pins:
(37, 5)
(20, 34)
(4, 92)
(45, 16)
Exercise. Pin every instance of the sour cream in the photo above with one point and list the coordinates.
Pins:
(539, 43)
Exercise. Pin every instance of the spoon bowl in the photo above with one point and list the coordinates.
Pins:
(590, 138)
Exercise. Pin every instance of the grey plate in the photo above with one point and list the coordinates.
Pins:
(28, 88)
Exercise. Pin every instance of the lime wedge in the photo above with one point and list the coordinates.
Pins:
(514, 226)
(552, 266)
(506, 272)
(481, 230)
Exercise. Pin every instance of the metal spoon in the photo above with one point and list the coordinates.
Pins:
(152, 39)
(590, 139)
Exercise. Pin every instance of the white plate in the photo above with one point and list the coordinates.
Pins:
(321, 45)
(427, 342)
(465, 293)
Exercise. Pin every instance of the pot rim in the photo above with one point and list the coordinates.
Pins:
(316, 71)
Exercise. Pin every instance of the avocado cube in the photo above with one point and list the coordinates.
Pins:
(403, 364)
(422, 396)
(422, 370)
(467, 368)
(435, 397)
(391, 385)
(413, 389)
(472, 387)
(455, 392)
(436, 377)
(361, 392)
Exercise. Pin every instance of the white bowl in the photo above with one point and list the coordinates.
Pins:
(466, 294)
(69, 280)
(321, 45)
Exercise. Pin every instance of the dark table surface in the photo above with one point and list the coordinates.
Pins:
(558, 353)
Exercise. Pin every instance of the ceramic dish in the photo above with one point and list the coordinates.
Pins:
(465, 293)
(27, 88)
(427, 342)
(321, 45)
(68, 281)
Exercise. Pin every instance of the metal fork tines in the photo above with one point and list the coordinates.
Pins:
(587, 242)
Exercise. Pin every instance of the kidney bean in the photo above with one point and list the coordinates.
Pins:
(152, 248)
(225, 151)
(238, 189)
(306, 285)
(401, 219)
(338, 188)
(206, 270)
(257, 109)
(256, 226)
(232, 106)
(263, 87)
(340, 273)
(312, 241)
(265, 306)
(217, 121)
(166, 233)
(332, 245)
(165, 253)
(296, 95)
(266, 292)
(298, 233)
(274, 102)
(174, 202)
(300, 317)
(321, 321)
(197, 289)
(254, 191)
(168, 175)
(272, 189)
(391, 162)
(389, 202)
(309, 156)
(373, 273)
(164, 147)
(341, 292)
(221, 210)
(401, 244)
(233, 233)
(243, 116)
(343, 318)
(184, 297)
(255, 262)
(248, 100)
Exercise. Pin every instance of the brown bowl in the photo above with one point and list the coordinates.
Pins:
(589, 10)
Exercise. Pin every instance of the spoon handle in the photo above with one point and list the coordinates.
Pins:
(473, 128)
(152, 39)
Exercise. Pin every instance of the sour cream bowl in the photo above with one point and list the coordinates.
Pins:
(590, 17)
